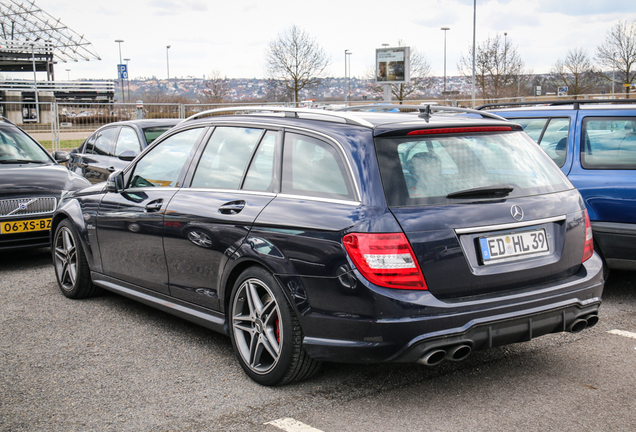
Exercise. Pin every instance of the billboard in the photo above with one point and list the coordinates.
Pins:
(392, 65)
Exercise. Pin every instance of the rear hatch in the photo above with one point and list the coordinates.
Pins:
(484, 209)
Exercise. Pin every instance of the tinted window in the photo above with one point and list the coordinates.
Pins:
(609, 143)
(225, 158)
(105, 141)
(153, 133)
(163, 164)
(261, 171)
(313, 167)
(127, 141)
(419, 171)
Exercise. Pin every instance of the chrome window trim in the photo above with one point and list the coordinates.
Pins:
(232, 191)
(319, 199)
(510, 225)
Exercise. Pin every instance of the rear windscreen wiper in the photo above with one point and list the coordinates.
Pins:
(494, 191)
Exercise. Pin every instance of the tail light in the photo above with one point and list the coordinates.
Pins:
(385, 260)
(588, 248)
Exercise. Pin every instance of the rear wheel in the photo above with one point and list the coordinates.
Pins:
(71, 267)
(265, 332)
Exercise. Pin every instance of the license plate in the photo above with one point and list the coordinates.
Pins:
(508, 247)
(12, 227)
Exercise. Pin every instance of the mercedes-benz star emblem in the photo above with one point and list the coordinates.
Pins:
(516, 212)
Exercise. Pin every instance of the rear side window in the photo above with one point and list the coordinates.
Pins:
(550, 133)
(313, 167)
(609, 143)
(226, 156)
(418, 171)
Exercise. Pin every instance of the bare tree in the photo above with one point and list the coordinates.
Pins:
(217, 88)
(577, 72)
(498, 68)
(420, 77)
(619, 52)
(296, 60)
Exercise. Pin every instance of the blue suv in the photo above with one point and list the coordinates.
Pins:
(309, 236)
(594, 144)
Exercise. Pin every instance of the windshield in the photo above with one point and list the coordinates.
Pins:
(18, 147)
(439, 169)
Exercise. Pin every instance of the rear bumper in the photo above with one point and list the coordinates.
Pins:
(425, 323)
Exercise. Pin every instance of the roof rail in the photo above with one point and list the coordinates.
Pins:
(424, 110)
(289, 112)
(575, 102)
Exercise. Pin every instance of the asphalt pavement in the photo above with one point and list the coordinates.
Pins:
(111, 364)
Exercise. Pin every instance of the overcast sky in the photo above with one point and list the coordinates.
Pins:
(232, 36)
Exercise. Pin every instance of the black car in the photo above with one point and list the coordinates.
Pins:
(31, 185)
(113, 146)
(311, 236)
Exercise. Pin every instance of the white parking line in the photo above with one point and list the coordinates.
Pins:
(623, 333)
(291, 425)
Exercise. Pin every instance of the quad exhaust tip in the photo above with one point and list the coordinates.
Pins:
(582, 323)
(452, 353)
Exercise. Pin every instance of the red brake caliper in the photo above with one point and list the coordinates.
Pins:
(277, 330)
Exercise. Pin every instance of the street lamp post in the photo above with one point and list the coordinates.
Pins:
(474, 47)
(123, 97)
(68, 74)
(128, 78)
(445, 29)
(347, 75)
(168, 64)
(613, 67)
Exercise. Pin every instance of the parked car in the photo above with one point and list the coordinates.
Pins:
(113, 146)
(594, 144)
(31, 184)
(311, 236)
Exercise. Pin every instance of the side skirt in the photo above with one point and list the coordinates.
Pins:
(204, 317)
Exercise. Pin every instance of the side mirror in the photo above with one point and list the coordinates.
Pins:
(127, 155)
(115, 182)
(61, 156)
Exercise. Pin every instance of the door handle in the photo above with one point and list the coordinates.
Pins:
(232, 207)
(153, 206)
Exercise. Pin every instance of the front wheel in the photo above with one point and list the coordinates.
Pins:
(71, 267)
(265, 332)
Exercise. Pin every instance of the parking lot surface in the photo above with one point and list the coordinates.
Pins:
(111, 364)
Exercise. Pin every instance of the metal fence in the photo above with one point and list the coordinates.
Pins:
(62, 125)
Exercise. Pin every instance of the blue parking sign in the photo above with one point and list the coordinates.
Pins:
(123, 71)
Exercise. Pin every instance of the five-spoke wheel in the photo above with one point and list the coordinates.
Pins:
(265, 332)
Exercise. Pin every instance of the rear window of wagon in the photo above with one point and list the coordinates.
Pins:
(421, 170)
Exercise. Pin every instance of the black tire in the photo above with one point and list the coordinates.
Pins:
(71, 268)
(266, 334)
(606, 269)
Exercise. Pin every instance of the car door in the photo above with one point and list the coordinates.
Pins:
(130, 222)
(234, 179)
(604, 173)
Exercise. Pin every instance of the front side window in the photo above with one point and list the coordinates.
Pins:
(609, 143)
(225, 157)
(105, 142)
(442, 169)
(163, 164)
(315, 168)
(127, 141)
(550, 133)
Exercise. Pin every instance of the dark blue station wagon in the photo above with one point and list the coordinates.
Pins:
(310, 236)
